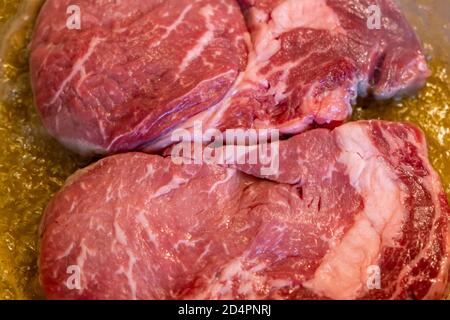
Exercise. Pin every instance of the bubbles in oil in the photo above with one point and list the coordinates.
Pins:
(33, 166)
(430, 110)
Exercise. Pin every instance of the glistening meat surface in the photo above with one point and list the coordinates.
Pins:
(311, 59)
(137, 226)
(137, 70)
(134, 69)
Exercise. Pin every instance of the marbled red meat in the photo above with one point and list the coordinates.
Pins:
(136, 70)
(311, 60)
(364, 195)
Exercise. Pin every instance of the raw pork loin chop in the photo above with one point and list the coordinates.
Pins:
(139, 226)
(139, 69)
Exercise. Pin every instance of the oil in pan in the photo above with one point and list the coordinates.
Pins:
(33, 166)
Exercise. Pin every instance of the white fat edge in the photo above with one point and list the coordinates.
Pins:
(342, 274)
(375, 180)
(287, 16)
(293, 14)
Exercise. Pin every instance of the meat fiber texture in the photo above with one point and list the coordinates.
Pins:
(344, 203)
(137, 70)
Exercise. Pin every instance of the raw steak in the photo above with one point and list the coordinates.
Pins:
(139, 69)
(135, 68)
(344, 203)
(312, 58)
